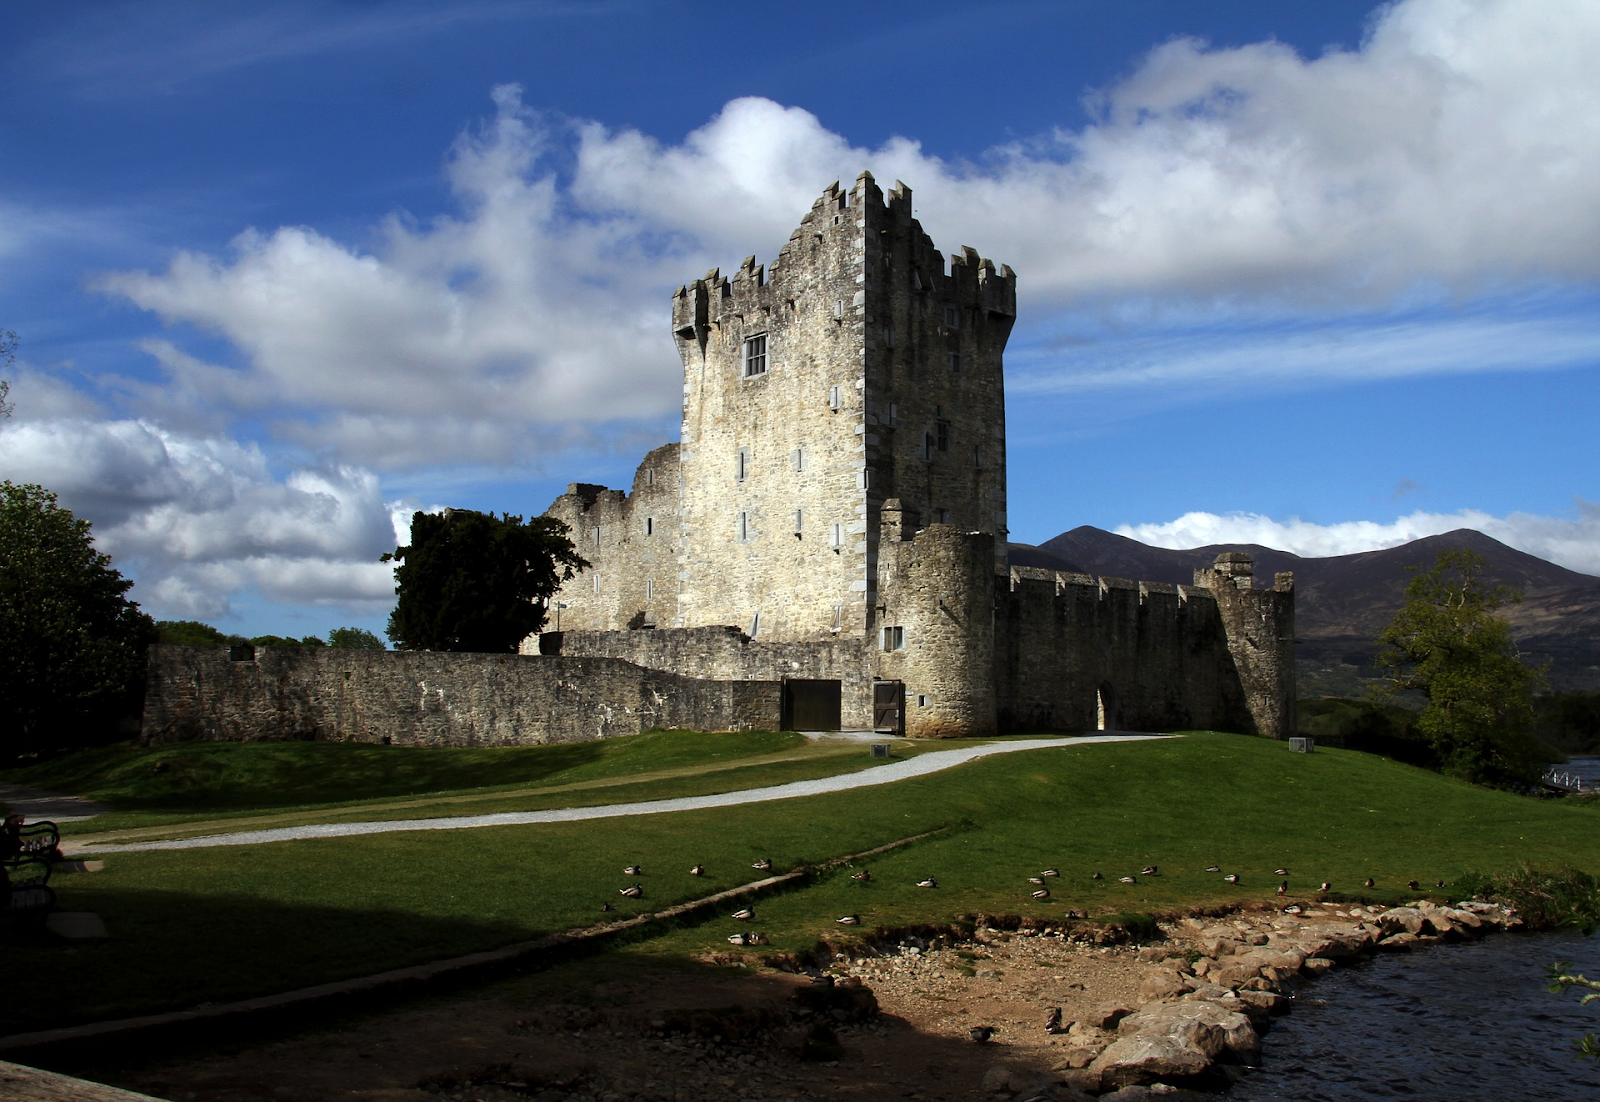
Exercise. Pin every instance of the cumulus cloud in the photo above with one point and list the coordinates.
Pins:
(1572, 542)
(194, 520)
(1455, 149)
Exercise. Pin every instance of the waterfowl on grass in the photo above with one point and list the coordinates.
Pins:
(632, 870)
(1130, 879)
(743, 914)
(862, 876)
(763, 865)
(1283, 888)
(1213, 868)
(927, 882)
(632, 891)
(848, 920)
(1293, 909)
(738, 939)
(1440, 884)
(697, 870)
(1324, 887)
(1280, 872)
(1097, 876)
(1148, 870)
(1051, 872)
(1042, 893)
(1370, 883)
(606, 908)
(1036, 880)
(1413, 885)
(1232, 878)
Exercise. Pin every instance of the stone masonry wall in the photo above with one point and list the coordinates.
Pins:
(425, 698)
(728, 654)
(1259, 624)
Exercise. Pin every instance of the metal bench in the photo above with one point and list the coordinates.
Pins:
(28, 852)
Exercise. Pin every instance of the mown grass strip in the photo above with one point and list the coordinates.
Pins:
(222, 924)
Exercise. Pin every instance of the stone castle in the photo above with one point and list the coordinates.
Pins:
(834, 519)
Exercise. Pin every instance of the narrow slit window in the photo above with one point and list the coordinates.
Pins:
(942, 435)
(744, 527)
(594, 534)
(650, 477)
(649, 526)
(977, 456)
(866, 478)
(837, 540)
(838, 618)
(800, 458)
(941, 516)
(742, 468)
(755, 356)
(892, 415)
(835, 397)
(649, 589)
(597, 585)
(799, 521)
(928, 445)
(755, 625)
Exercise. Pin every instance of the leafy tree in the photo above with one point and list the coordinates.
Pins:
(354, 639)
(473, 581)
(72, 646)
(287, 641)
(1448, 644)
(192, 633)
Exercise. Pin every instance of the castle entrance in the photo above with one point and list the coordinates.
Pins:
(1106, 708)
(888, 706)
(810, 705)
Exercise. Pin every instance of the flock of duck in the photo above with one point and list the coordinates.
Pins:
(1040, 891)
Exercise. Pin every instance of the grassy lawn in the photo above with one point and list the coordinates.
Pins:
(216, 924)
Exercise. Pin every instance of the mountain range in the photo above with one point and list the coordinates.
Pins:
(1342, 602)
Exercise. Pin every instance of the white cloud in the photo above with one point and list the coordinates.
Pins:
(1570, 542)
(197, 519)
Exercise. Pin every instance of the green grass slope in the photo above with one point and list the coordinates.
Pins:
(216, 924)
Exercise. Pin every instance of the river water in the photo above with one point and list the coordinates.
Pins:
(1472, 1020)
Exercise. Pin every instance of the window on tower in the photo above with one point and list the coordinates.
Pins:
(755, 356)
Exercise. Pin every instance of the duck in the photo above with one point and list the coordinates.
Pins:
(1042, 893)
(848, 920)
(1036, 880)
(743, 914)
(632, 870)
(982, 1033)
(1097, 876)
(862, 876)
(1149, 870)
(1324, 887)
(927, 882)
(1051, 872)
(755, 939)
(1052, 1020)
(1440, 884)
(1369, 882)
(1129, 879)
(697, 870)
(1293, 909)
(632, 891)
(1280, 872)
(1232, 878)
(606, 908)
(1413, 885)
(738, 939)
(763, 865)
(1283, 888)
(1213, 868)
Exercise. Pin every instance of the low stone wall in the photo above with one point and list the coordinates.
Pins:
(426, 698)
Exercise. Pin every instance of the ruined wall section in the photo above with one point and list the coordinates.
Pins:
(934, 342)
(631, 543)
(1076, 651)
(775, 528)
(1259, 625)
(430, 698)
(728, 654)
(937, 630)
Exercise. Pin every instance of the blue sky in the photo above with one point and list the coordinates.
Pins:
(1321, 276)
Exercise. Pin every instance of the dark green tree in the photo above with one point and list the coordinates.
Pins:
(193, 633)
(72, 646)
(473, 581)
(287, 641)
(354, 639)
(1448, 643)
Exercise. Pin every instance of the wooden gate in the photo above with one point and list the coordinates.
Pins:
(810, 705)
(889, 706)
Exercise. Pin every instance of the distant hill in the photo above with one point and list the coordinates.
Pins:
(1342, 602)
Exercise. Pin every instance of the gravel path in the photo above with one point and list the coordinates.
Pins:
(919, 766)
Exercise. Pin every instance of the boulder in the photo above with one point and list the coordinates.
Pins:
(1260, 1005)
(1229, 1033)
(1401, 942)
(1317, 966)
(1162, 983)
(1144, 1058)
(1409, 919)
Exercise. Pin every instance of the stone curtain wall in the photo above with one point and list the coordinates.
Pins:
(728, 654)
(1259, 624)
(425, 698)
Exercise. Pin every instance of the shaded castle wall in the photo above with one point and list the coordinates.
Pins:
(430, 698)
(1259, 624)
(631, 543)
(728, 654)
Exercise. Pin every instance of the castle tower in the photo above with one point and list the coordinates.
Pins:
(858, 368)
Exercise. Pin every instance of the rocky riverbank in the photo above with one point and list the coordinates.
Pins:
(1065, 1016)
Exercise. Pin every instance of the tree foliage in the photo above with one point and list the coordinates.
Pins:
(193, 633)
(354, 639)
(1448, 643)
(8, 356)
(72, 646)
(473, 581)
